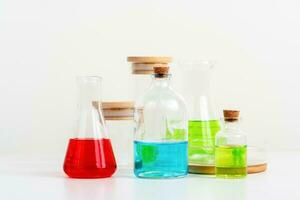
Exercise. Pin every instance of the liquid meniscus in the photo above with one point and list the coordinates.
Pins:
(231, 161)
(89, 158)
(202, 141)
(160, 159)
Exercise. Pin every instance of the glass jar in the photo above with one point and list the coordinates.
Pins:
(160, 145)
(119, 122)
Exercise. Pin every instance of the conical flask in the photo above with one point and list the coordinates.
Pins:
(203, 123)
(89, 153)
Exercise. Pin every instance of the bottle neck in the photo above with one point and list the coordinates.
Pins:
(89, 88)
(232, 125)
(161, 81)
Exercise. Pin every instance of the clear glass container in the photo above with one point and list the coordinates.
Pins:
(203, 124)
(89, 153)
(160, 146)
(231, 148)
(119, 122)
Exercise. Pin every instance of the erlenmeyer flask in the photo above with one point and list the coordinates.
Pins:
(203, 124)
(90, 153)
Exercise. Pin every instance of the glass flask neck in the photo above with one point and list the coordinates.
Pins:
(90, 118)
(89, 88)
(161, 82)
(232, 125)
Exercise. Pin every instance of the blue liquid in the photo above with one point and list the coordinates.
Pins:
(160, 159)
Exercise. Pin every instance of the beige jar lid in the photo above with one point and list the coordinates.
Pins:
(118, 110)
(149, 59)
(145, 64)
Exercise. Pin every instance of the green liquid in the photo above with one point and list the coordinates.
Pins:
(231, 161)
(202, 141)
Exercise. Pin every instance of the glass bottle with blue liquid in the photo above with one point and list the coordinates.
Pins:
(160, 146)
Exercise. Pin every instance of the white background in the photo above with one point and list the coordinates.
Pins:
(45, 44)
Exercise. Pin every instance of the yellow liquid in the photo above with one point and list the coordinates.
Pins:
(231, 161)
(202, 141)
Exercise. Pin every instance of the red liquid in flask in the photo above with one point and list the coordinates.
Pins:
(89, 158)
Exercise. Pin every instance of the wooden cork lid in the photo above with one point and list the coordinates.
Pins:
(117, 105)
(145, 64)
(146, 68)
(231, 115)
(116, 110)
(149, 59)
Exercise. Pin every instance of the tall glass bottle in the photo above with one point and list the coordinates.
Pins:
(203, 123)
(231, 148)
(160, 146)
(90, 153)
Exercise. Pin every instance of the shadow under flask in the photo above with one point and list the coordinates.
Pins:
(231, 148)
(160, 146)
(89, 153)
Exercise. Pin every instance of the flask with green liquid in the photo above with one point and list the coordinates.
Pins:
(203, 123)
(231, 148)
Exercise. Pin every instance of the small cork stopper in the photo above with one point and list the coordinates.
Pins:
(231, 115)
(161, 71)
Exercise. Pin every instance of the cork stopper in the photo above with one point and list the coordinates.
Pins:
(231, 115)
(161, 71)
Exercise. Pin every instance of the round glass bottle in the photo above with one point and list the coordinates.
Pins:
(231, 148)
(160, 146)
(89, 153)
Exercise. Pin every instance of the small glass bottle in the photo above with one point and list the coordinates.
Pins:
(118, 117)
(90, 153)
(160, 146)
(231, 148)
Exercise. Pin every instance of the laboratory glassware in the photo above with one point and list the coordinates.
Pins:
(89, 153)
(203, 124)
(160, 146)
(231, 148)
(118, 116)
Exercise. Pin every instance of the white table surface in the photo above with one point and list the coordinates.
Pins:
(41, 178)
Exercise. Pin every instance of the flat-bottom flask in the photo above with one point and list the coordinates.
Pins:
(203, 124)
(89, 153)
(89, 158)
